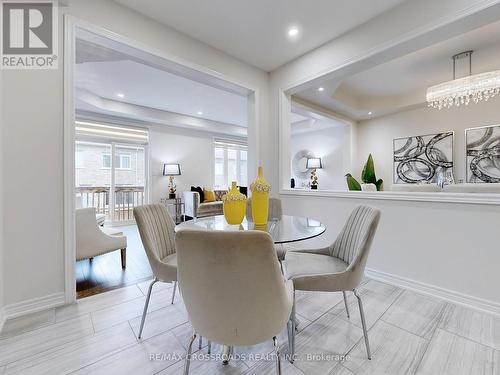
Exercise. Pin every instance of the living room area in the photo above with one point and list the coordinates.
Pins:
(285, 187)
(168, 134)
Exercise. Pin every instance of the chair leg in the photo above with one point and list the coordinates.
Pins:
(124, 257)
(146, 306)
(277, 353)
(363, 323)
(227, 351)
(188, 356)
(346, 305)
(292, 332)
(209, 347)
(173, 292)
(200, 342)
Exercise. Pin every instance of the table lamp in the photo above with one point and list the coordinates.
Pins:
(313, 164)
(171, 170)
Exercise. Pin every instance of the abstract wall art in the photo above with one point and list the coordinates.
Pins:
(482, 150)
(422, 158)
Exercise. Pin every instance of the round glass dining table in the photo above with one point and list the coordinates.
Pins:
(283, 230)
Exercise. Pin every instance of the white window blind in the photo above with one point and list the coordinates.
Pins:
(93, 131)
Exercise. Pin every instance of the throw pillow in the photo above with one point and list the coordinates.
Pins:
(200, 192)
(209, 195)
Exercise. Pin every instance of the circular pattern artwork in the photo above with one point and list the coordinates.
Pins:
(483, 154)
(422, 158)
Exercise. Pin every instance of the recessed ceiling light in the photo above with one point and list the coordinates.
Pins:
(369, 113)
(293, 31)
(199, 113)
(120, 95)
(321, 89)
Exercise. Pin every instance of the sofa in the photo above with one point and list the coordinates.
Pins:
(195, 209)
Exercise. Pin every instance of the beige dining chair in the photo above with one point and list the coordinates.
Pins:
(92, 240)
(156, 228)
(233, 288)
(275, 212)
(275, 209)
(338, 267)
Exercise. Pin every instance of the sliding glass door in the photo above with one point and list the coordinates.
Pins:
(129, 172)
(111, 177)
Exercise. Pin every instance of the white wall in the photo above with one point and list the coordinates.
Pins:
(449, 246)
(32, 147)
(194, 153)
(333, 146)
(376, 135)
(2, 273)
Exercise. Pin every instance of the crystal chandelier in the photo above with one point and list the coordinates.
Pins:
(474, 88)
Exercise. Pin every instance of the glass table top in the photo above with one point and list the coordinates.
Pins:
(286, 229)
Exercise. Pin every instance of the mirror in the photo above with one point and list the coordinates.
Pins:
(299, 164)
(414, 145)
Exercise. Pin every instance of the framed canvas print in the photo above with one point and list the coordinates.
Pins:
(422, 158)
(482, 150)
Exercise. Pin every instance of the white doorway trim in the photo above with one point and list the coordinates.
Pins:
(71, 24)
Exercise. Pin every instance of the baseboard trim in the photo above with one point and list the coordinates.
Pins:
(33, 305)
(452, 296)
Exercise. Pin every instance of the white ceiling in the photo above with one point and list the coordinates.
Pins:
(305, 120)
(153, 88)
(402, 83)
(255, 31)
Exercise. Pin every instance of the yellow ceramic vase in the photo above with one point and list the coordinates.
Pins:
(235, 205)
(260, 189)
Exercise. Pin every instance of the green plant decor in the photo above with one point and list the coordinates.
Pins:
(352, 183)
(367, 176)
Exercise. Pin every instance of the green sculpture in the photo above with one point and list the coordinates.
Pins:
(367, 176)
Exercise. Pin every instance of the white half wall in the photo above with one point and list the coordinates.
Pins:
(194, 153)
(375, 136)
(452, 247)
(32, 145)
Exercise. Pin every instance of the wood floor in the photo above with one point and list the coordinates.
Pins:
(105, 273)
(409, 334)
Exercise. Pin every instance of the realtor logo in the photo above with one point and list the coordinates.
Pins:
(29, 34)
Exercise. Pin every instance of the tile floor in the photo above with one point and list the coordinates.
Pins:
(409, 334)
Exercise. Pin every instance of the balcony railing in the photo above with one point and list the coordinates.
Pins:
(126, 198)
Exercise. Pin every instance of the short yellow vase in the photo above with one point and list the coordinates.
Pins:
(234, 205)
(260, 189)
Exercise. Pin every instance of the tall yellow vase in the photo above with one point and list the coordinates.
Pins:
(235, 205)
(260, 189)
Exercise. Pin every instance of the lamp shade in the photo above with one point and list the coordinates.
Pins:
(171, 169)
(313, 163)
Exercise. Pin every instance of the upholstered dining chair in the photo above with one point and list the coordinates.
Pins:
(91, 240)
(275, 209)
(275, 212)
(156, 228)
(338, 267)
(233, 288)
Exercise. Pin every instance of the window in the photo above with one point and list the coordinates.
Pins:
(122, 161)
(106, 161)
(230, 163)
